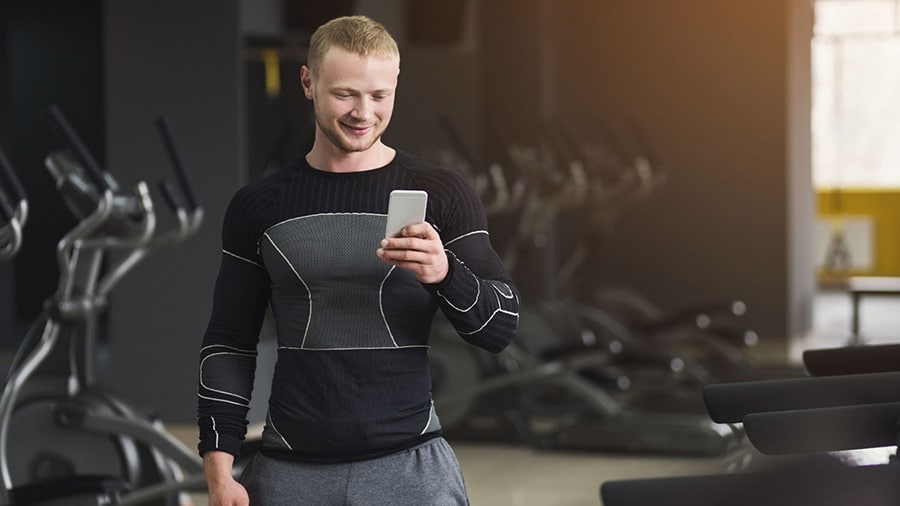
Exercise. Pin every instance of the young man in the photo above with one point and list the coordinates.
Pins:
(350, 419)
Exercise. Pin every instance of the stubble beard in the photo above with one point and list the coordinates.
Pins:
(340, 141)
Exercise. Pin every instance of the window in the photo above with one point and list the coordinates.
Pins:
(856, 94)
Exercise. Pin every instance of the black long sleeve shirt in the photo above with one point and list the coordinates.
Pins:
(352, 378)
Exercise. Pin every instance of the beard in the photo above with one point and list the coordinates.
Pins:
(344, 141)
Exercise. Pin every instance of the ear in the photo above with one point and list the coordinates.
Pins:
(306, 81)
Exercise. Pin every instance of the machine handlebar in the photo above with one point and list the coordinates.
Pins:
(11, 183)
(94, 172)
(177, 162)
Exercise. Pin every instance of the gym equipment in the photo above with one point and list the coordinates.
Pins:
(62, 439)
(852, 427)
(575, 377)
(816, 480)
(708, 333)
(562, 403)
(732, 402)
(537, 190)
(813, 414)
(852, 360)
(814, 417)
(613, 183)
(13, 209)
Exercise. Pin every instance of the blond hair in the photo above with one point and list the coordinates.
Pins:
(356, 34)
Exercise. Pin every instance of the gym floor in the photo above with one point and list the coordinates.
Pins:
(505, 475)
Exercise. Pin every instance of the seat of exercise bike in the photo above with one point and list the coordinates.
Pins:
(69, 487)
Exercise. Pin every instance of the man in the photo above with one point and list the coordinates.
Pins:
(350, 418)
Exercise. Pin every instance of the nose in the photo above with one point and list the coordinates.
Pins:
(363, 109)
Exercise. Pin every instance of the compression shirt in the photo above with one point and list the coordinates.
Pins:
(352, 377)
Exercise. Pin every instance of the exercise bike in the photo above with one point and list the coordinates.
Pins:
(63, 440)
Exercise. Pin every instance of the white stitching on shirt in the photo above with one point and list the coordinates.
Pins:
(242, 258)
(272, 424)
(381, 304)
(451, 241)
(474, 302)
(309, 294)
(205, 387)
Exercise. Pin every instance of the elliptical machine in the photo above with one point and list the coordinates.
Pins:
(62, 439)
(13, 210)
(575, 377)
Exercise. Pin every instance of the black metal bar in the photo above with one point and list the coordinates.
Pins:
(84, 155)
(673, 491)
(732, 402)
(824, 429)
(10, 181)
(853, 360)
(174, 155)
(170, 195)
(7, 192)
(812, 480)
(855, 337)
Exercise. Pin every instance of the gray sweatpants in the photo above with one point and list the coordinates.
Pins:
(427, 474)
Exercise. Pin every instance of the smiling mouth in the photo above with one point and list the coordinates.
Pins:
(357, 130)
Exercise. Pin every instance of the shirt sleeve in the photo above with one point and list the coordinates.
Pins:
(477, 296)
(229, 349)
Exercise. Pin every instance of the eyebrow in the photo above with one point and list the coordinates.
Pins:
(354, 90)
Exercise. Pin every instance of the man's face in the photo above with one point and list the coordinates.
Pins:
(353, 97)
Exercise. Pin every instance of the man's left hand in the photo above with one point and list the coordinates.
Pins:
(419, 250)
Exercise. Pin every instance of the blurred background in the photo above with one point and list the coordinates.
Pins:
(671, 157)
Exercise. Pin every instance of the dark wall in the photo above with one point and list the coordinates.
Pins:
(182, 60)
(53, 57)
(708, 82)
(7, 299)
(280, 126)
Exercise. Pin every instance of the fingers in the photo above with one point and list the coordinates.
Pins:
(409, 250)
(417, 249)
(417, 237)
(410, 244)
(426, 268)
(420, 230)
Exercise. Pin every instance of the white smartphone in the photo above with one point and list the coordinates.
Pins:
(405, 208)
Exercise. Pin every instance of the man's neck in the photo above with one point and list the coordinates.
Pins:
(331, 159)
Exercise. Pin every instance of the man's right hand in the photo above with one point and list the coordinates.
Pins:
(228, 494)
(223, 489)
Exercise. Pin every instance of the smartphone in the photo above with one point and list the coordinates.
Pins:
(405, 208)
